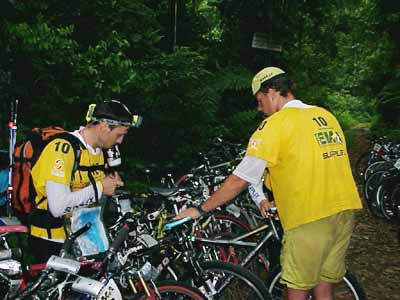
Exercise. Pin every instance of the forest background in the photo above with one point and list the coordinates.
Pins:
(186, 66)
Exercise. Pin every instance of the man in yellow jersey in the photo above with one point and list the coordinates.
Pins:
(304, 149)
(70, 173)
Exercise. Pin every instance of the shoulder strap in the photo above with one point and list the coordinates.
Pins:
(75, 141)
(77, 146)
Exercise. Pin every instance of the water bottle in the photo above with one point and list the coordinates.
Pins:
(114, 156)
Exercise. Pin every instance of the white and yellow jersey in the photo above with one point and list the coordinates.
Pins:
(306, 155)
(56, 164)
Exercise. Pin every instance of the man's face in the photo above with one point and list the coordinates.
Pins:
(265, 103)
(113, 136)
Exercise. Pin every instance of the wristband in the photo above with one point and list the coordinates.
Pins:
(201, 211)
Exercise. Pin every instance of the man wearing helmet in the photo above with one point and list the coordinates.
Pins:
(70, 173)
(304, 149)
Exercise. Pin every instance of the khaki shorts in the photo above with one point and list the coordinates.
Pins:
(316, 251)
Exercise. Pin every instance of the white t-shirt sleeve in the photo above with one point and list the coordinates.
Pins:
(62, 201)
(251, 169)
(256, 192)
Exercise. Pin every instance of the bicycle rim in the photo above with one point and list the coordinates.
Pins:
(375, 167)
(348, 289)
(395, 199)
(242, 284)
(174, 291)
(384, 199)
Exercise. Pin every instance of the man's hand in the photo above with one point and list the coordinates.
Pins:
(189, 212)
(231, 187)
(110, 183)
(265, 205)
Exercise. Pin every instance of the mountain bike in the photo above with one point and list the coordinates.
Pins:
(348, 289)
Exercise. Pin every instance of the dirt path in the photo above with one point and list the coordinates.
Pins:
(374, 253)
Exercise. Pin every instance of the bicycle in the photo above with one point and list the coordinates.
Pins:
(348, 288)
(216, 279)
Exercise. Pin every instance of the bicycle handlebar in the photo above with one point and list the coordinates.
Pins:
(176, 223)
(120, 238)
(67, 246)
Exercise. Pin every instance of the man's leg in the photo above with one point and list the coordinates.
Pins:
(293, 294)
(302, 255)
(323, 291)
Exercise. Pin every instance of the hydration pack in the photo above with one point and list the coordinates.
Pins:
(26, 155)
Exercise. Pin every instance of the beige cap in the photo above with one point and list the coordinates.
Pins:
(264, 75)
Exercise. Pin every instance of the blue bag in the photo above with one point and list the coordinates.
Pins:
(3, 186)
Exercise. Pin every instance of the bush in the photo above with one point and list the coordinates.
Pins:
(346, 120)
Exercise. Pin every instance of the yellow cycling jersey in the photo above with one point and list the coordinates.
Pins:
(56, 163)
(308, 164)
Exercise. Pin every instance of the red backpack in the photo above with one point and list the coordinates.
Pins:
(25, 156)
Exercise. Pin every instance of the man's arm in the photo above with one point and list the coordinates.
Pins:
(231, 187)
(62, 200)
(250, 170)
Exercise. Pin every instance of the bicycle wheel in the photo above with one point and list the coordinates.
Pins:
(232, 282)
(223, 226)
(5, 286)
(171, 290)
(385, 200)
(348, 289)
(228, 227)
(395, 199)
(370, 188)
(375, 167)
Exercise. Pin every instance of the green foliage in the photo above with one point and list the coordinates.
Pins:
(346, 120)
(348, 106)
(171, 92)
(58, 56)
(341, 46)
(104, 69)
(350, 136)
(241, 125)
(39, 60)
(389, 134)
(389, 102)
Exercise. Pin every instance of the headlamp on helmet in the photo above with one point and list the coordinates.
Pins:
(93, 115)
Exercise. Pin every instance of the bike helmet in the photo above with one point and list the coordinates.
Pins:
(114, 113)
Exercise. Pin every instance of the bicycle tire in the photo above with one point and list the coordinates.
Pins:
(385, 200)
(395, 199)
(171, 290)
(224, 225)
(243, 285)
(238, 222)
(375, 167)
(348, 289)
(370, 188)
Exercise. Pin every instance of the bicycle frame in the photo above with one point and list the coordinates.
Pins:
(238, 241)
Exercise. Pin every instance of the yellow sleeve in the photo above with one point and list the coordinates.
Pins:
(55, 163)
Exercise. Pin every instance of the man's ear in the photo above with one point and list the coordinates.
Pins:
(103, 127)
